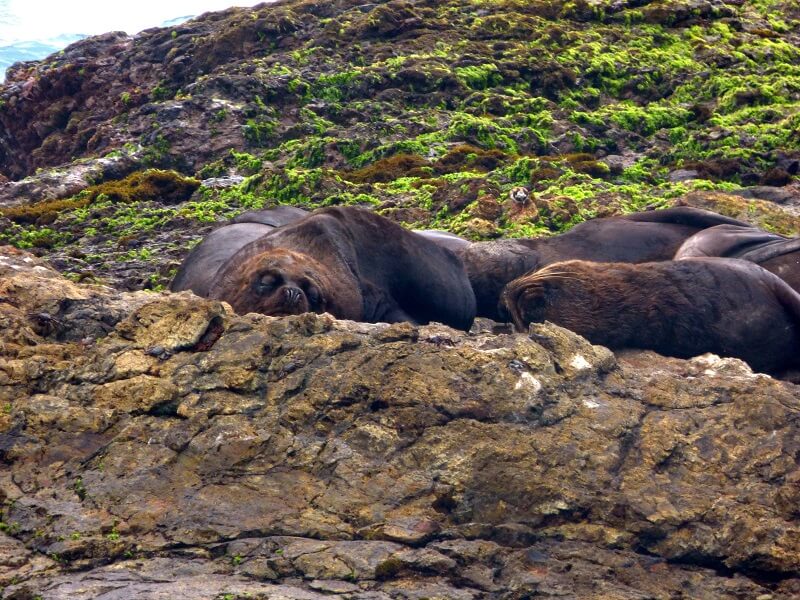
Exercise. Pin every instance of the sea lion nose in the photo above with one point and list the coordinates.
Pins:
(293, 295)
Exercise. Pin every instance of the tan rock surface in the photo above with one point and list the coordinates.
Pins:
(183, 451)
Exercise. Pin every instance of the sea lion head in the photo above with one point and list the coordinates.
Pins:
(520, 195)
(275, 282)
(559, 293)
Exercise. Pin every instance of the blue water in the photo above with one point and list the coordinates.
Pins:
(34, 29)
(32, 50)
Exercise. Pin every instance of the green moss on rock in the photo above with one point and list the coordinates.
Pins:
(167, 187)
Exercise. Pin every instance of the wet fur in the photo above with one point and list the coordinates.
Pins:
(677, 308)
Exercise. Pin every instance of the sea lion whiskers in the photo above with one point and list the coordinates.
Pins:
(562, 275)
(542, 274)
(514, 312)
(533, 285)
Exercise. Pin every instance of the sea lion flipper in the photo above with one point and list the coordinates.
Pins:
(732, 241)
(684, 215)
(772, 250)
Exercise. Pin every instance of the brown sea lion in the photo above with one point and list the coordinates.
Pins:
(776, 253)
(637, 237)
(351, 263)
(678, 308)
(199, 267)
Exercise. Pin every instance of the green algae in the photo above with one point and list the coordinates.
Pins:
(425, 110)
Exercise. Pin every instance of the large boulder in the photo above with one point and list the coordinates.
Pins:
(184, 451)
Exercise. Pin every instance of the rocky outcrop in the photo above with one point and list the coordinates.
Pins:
(157, 445)
(66, 181)
(110, 90)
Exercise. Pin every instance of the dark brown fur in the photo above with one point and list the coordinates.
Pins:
(677, 308)
(638, 237)
(282, 282)
(351, 263)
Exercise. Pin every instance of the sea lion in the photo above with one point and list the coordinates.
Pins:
(351, 263)
(776, 253)
(276, 216)
(678, 308)
(448, 240)
(637, 237)
(520, 195)
(199, 267)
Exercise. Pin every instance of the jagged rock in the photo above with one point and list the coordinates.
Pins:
(683, 175)
(761, 213)
(67, 180)
(303, 456)
(222, 182)
(159, 446)
(787, 195)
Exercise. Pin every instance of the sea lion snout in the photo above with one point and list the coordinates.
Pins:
(525, 300)
(293, 296)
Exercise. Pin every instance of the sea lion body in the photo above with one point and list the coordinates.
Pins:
(776, 253)
(199, 267)
(637, 237)
(353, 264)
(678, 308)
(274, 217)
(445, 239)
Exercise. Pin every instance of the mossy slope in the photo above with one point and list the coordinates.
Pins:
(432, 112)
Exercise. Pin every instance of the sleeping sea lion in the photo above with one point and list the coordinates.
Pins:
(637, 237)
(678, 308)
(351, 263)
(202, 263)
(776, 253)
